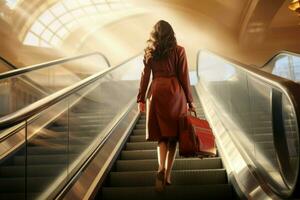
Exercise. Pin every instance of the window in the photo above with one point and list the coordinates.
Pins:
(11, 3)
(55, 23)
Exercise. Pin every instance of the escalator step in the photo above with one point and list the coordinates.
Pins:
(141, 145)
(187, 192)
(179, 177)
(139, 132)
(141, 121)
(140, 126)
(184, 164)
(140, 154)
(138, 138)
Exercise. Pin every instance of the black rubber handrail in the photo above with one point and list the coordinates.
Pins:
(23, 70)
(37, 107)
(289, 88)
(8, 63)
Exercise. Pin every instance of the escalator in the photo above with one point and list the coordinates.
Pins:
(43, 148)
(284, 64)
(21, 87)
(135, 170)
(85, 140)
(5, 65)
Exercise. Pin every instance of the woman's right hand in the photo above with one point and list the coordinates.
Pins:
(142, 107)
(191, 107)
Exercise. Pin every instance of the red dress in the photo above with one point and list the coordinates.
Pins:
(167, 96)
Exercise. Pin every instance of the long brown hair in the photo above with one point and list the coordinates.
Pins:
(161, 42)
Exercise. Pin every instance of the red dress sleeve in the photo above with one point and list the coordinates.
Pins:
(183, 74)
(144, 83)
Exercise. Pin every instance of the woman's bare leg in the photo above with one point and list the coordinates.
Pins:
(162, 148)
(170, 159)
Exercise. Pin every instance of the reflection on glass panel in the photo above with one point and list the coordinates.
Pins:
(290, 126)
(95, 108)
(12, 168)
(20, 91)
(244, 103)
(60, 138)
(47, 151)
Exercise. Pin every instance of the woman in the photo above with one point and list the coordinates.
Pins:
(169, 95)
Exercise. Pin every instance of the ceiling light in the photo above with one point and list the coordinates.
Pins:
(295, 6)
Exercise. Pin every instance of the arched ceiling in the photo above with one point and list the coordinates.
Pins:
(246, 30)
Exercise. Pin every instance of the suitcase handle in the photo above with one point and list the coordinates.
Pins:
(193, 111)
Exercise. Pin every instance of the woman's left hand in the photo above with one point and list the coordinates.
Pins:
(142, 107)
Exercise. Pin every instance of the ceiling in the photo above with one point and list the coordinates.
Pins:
(247, 30)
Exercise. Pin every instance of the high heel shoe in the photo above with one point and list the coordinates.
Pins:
(168, 183)
(160, 181)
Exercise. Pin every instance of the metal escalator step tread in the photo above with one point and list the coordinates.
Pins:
(141, 145)
(139, 132)
(179, 177)
(140, 154)
(140, 126)
(137, 138)
(179, 164)
(187, 192)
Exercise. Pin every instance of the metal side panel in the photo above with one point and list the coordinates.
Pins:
(87, 183)
(241, 172)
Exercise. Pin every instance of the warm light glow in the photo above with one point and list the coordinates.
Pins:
(60, 20)
(11, 3)
(295, 6)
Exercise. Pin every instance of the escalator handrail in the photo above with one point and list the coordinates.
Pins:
(277, 54)
(8, 63)
(37, 107)
(289, 88)
(30, 68)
